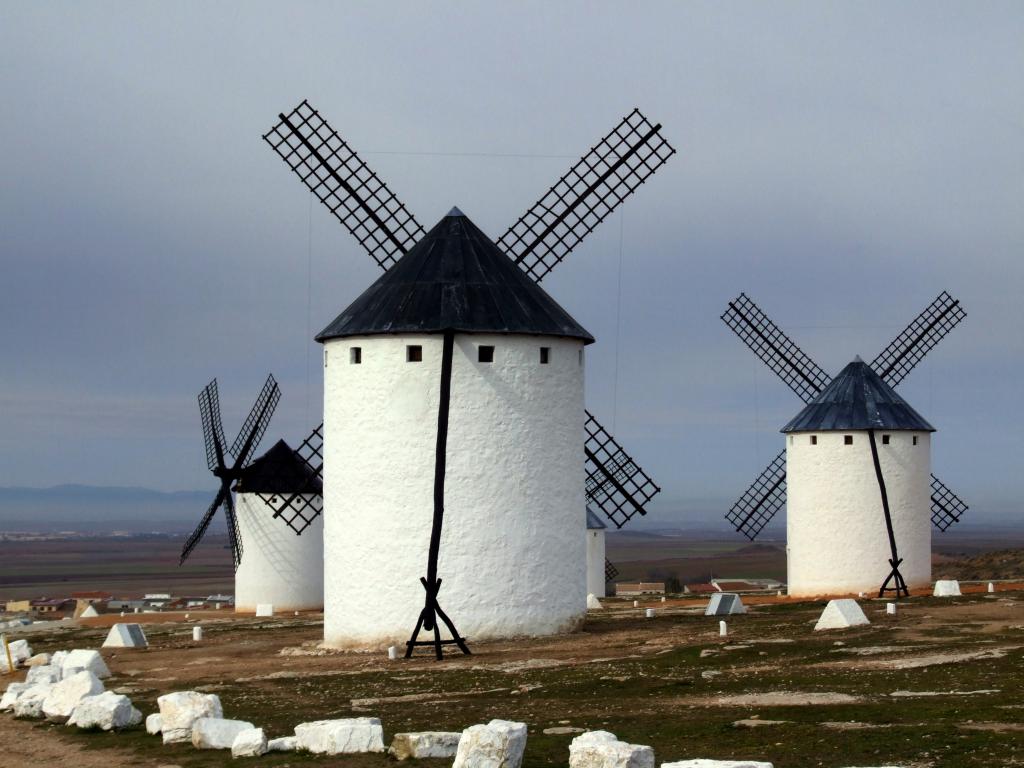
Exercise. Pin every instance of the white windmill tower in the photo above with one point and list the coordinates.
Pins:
(453, 386)
(855, 474)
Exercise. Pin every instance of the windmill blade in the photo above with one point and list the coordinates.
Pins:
(299, 509)
(775, 348)
(614, 482)
(196, 536)
(762, 500)
(234, 535)
(256, 422)
(610, 571)
(585, 196)
(947, 507)
(340, 179)
(213, 430)
(917, 339)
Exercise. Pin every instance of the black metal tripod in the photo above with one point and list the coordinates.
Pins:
(900, 586)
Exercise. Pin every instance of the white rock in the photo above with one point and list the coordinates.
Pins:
(716, 764)
(947, 588)
(126, 636)
(57, 659)
(499, 744)
(217, 732)
(179, 710)
(250, 743)
(39, 660)
(83, 659)
(283, 744)
(90, 612)
(601, 749)
(425, 744)
(841, 614)
(30, 701)
(14, 690)
(153, 726)
(724, 604)
(593, 604)
(107, 711)
(20, 653)
(338, 737)
(47, 673)
(264, 609)
(65, 695)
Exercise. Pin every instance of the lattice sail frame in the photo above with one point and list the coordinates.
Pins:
(762, 500)
(610, 571)
(213, 429)
(299, 509)
(614, 482)
(346, 185)
(947, 507)
(917, 339)
(586, 195)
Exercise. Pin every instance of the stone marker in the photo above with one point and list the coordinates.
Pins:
(30, 701)
(217, 732)
(841, 614)
(283, 744)
(126, 636)
(392, 652)
(499, 744)
(946, 588)
(82, 659)
(340, 737)
(179, 710)
(250, 743)
(197, 634)
(14, 690)
(593, 604)
(107, 711)
(716, 764)
(649, 613)
(90, 612)
(424, 744)
(724, 604)
(991, 587)
(264, 609)
(601, 749)
(723, 629)
(153, 726)
(636, 603)
(663, 599)
(890, 608)
(64, 696)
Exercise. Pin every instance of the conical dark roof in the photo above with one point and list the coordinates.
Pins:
(454, 278)
(279, 470)
(857, 398)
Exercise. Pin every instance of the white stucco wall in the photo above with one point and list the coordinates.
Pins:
(277, 566)
(836, 538)
(512, 560)
(595, 562)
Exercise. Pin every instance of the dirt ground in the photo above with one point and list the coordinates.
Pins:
(938, 684)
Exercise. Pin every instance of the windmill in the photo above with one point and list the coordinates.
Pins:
(537, 242)
(218, 453)
(833, 540)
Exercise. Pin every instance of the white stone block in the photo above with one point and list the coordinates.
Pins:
(84, 659)
(14, 690)
(264, 609)
(890, 609)
(39, 660)
(724, 604)
(425, 744)
(947, 588)
(20, 653)
(126, 636)
(47, 673)
(57, 659)
(107, 711)
(250, 743)
(64, 696)
(179, 710)
(499, 744)
(649, 613)
(601, 749)
(30, 701)
(283, 744)
(197, 634)
(593, 604)
(217, 732)
(991, 587)
(339, 737)
(716, 764)
(841, 614)
(153, 725)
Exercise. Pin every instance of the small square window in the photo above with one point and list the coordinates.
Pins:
(545, 355)
(581, 357)
(325, 358)
(413, 353)
(814, 439)
(485, 354)
(915, 439)
(790, 439)
(355, 355)
(885, 439)
(847, 439)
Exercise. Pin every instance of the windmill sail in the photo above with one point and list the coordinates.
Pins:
(197, 535)
(255, 425)
(300, 508)
(213, 431)
(762, 500)
(917, 339)
(346, 185)
(586, 195)
(614, 482)
(947, 507)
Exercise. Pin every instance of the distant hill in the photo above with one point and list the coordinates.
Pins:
(1001, 564)
(100, 509)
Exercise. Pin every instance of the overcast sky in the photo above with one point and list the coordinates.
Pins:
(841, 163)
